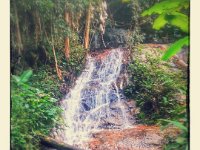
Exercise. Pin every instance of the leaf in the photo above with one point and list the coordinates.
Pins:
(16, 78)
(166, 6)
(176, 47)
(159, 22)
(178, 19)
(176, 123)
(25, 76)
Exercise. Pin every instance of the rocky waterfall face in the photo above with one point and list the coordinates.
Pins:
(96, 114)
(96, 102)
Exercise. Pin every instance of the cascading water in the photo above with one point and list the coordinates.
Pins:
(96, 101)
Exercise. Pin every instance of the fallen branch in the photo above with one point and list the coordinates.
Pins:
(50, 142)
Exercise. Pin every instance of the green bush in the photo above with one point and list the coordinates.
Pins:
(32, 113)
(45, 78)
(154, 87)
(77, 60)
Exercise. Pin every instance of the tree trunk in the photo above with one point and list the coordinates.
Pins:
(67, 48)
(87, 28)
(50, 142)
(38, 27)
(67, 41)
(18, 33)
(59, 73)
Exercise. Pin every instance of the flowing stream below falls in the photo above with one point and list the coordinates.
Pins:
(96, 102)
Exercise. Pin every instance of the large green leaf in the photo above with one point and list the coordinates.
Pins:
(176, 47)
(25, 76)
(174, 18)
(166, 6)
(177, 124)
(159, 22)
(178, 19)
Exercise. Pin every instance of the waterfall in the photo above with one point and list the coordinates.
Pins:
(96, 102)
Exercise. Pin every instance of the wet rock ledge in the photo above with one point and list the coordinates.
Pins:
(138, 137)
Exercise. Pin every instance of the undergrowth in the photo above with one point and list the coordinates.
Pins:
(33, 112)
(159, 90)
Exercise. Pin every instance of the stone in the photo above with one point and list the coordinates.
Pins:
(113, 38)
(136, 138)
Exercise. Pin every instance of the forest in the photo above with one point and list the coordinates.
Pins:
(99, 74)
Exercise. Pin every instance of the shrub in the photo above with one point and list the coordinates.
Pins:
(32, 113)
(154, 87)
(45, 78)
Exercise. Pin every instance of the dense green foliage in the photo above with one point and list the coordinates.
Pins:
(171, 12)
(174, 13)
(154, 87)
(46, 79)
(38, 26)
(33, 112)
(159, 93)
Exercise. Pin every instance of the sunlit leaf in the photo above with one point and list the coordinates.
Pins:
(166, 6)
(159, 22)
(176, 47)
(178, 19)
(25, 76)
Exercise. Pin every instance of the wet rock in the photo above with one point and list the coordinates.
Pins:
(119, 104)
(113, 38)
(183, 54)
(88, 103)
(135, 138)
(110, 123)
(95, 75)
(86, 107)
(112, 96)
(93, 84)
(131, 103)
(123, 68)
(64, 88)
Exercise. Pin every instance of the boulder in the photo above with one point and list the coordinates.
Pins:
(113, 38)
(136, 138)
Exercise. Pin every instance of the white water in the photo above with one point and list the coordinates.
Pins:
(88, 105)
